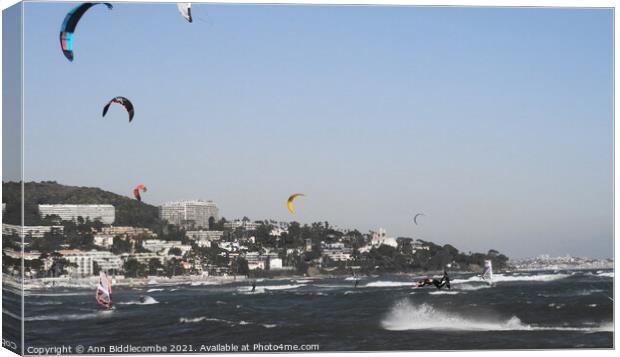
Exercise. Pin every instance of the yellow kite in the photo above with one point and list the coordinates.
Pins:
(289, 203)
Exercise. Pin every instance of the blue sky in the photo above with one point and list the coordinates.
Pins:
(494, 122)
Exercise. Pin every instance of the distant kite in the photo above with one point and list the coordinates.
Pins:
(136, 192)
(185, 8)
(70, 22)
(126, 103)
(415, 218)
(289, 203)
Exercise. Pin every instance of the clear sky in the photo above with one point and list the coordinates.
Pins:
(494, 122)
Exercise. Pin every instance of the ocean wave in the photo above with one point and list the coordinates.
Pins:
(471, 287)
(71, 317)
(44, 302)
(283, 287)
(606, 274)
(407, 316)
(147, 301)
(387, 284)
(499, 278)
(190, 320)
(444, 292)
(15, 316)
(34, 293)
(187, 320)
(153, 290)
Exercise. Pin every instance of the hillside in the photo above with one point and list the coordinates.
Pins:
(129, 212)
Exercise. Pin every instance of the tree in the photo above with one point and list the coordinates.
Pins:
(175, 251)
(59, 265)
(155, 266)
(134, 269)
(241, 265)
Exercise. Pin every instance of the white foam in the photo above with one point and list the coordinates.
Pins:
(406, 316)
(70, 317)
(386, 284)
(510, 278)
(56, 294)
(444, 292)
(470, 287)
(147, 301)
(282, 287)
(191, 320)
(187, 320)
(153, 290)
(269, 325)
(607, 274)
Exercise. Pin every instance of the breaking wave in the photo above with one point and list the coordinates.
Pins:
(192, 320)
(510, 278)
(607, 274)
(444, 292)
(147, 301)
(406, 316)
(70, 317)
(383, 284)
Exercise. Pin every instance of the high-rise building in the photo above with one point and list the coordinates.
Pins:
(104, 213)
(189, 214)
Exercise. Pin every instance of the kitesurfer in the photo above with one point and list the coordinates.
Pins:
(142, 299)
(444, 282)
(254, 286)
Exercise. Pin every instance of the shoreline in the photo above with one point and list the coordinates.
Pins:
(37, 284)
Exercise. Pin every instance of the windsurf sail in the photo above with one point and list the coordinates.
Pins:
(487, 273)
(104, 290)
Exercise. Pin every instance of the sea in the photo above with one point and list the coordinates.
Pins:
(521, 310)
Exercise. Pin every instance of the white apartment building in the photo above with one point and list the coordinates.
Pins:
(163, 247)
(103, 240)
(258, 260)
(189, 213)
(104, 213)
(203, 235)
(105, 237)
(278, 231)
(275, 264)
(337, 251)
(127, 232)
(29, 231)
(229, 246)
(239, 223)
(84, 261)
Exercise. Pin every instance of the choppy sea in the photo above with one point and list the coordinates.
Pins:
(523, 310)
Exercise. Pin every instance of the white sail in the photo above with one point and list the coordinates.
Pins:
(104, 290)
(487, 273)
(185, 8)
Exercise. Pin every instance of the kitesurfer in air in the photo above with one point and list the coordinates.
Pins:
(444, 282)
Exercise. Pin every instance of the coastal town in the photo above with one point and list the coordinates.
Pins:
(190, 239)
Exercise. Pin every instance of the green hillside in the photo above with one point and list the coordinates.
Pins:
(129, 212)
